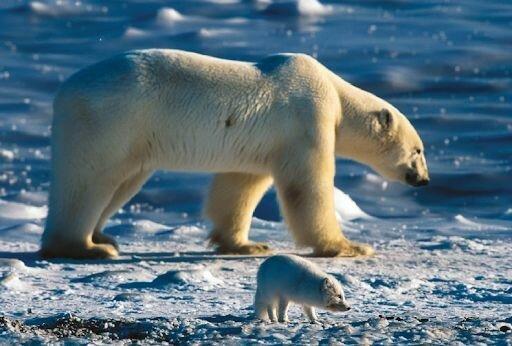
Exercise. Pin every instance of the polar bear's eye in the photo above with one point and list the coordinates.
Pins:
(418, 151)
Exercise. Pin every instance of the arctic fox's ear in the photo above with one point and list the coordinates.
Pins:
(327, 284)
(385, 118)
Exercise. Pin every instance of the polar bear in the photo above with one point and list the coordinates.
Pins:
(281, 120)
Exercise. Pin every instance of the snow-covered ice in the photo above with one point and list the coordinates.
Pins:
(440, 289)
(442, 271)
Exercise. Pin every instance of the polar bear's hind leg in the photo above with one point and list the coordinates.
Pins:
(123, 194)
(230, 205)
(71, 220)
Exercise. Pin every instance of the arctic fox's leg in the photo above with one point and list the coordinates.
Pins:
(74, 212)
(305, 186)
(283, 310)
(260, 306)
(230, 205)
(310, 313)
(271, 310)
(123, 194)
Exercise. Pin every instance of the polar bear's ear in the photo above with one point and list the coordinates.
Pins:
(385, 118)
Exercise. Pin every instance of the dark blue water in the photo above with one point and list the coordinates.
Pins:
(446, 64)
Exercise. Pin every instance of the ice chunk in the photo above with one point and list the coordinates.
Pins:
(64, 8)
(346, 208)
(132, 32)
(20, 211)
(7, 154)
(187, 277)
(471, 225)
(200, 278)
(168, 16)
(306, 8)
(105, 277)
(149, 226)
(13, 264)
(11, 281)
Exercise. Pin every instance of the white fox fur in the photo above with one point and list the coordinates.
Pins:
(287, 278)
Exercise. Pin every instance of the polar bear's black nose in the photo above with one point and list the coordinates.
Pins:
(414, 179)
(423, 182)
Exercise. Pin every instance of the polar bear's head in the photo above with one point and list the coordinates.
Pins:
(399, 150)
(375, 133)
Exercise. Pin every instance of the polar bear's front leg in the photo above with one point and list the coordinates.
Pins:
(230, 205)
(305, 186)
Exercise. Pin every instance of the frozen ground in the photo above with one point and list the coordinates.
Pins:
(433, 287)
(442, 273)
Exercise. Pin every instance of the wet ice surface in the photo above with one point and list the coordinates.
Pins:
(442, 271)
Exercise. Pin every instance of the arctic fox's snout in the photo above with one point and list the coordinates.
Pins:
(341, 306)
(338, 307)
(286, 278)
(333, 296)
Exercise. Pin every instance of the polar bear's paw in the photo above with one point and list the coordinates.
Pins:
(90, 251)
(244, 249)
(346, 249)
(357, 249)
(100, 238)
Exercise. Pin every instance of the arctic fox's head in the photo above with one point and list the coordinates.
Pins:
(332, 295)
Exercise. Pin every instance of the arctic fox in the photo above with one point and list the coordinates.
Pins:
(287, 278)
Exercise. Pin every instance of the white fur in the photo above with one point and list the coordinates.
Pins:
(280, 120)
(286, 278)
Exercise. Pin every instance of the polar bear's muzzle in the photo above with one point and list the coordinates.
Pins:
(414, 179)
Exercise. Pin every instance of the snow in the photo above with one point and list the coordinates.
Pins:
(19, 211)
(200, 278)
(63, 8)
(305, 8)
(168, 16)
(411, 290)
(346, 208)
(150, 226)
(132, 33)
(441, 273)
(7, 154)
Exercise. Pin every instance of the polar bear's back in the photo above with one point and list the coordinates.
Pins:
(145, 75)
(156, 72)
(204, 113)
